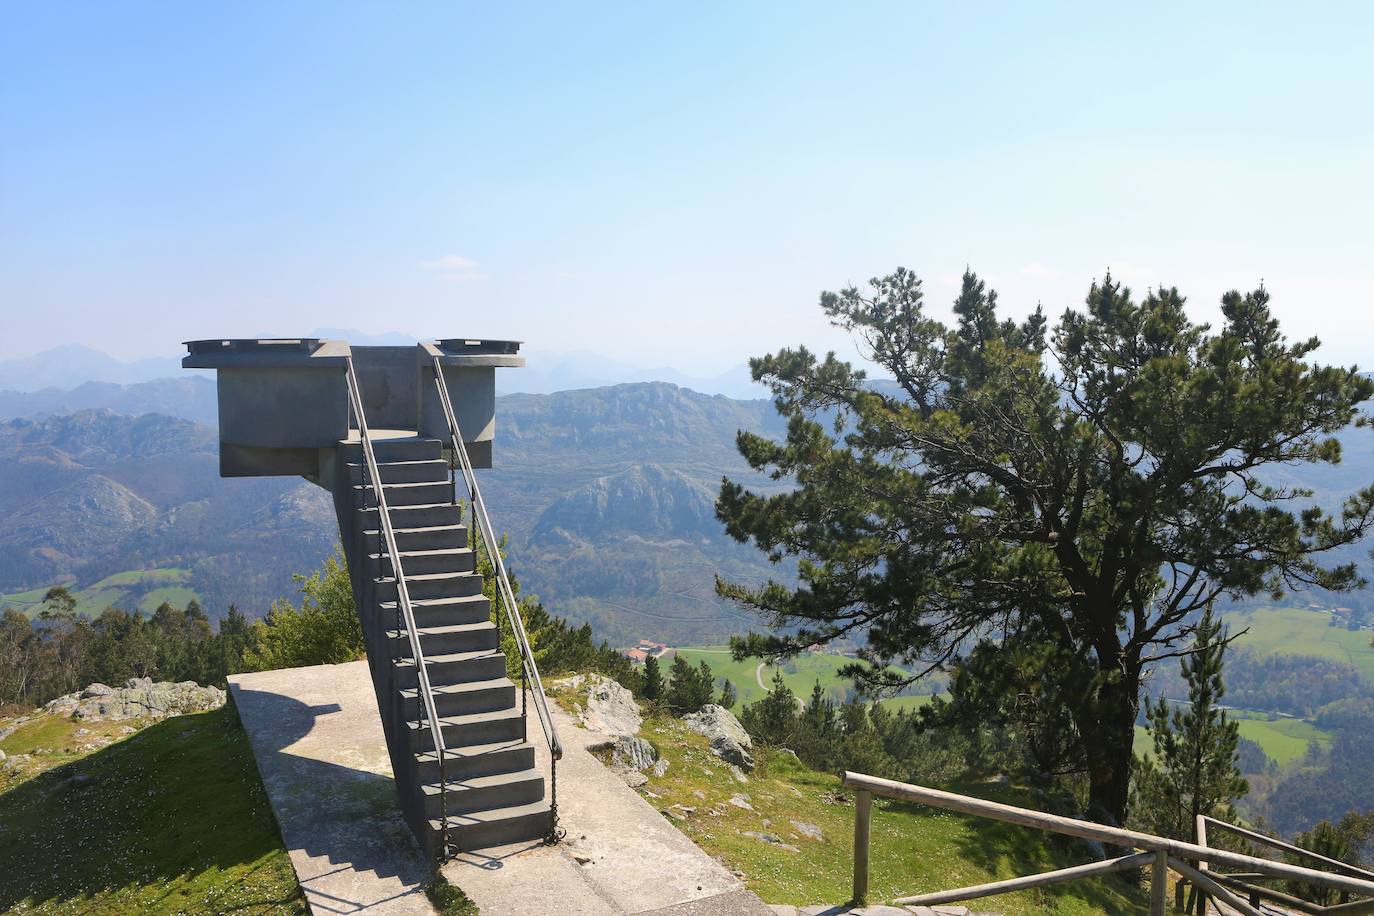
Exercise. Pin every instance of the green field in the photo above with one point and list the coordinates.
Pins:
(1296, 631)
(1282, 739)
(172, 819)
(119, 590)
(800, 674)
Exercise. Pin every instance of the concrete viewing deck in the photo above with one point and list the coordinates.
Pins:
(318, 742)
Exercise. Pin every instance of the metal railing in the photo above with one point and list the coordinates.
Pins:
(1161, 853)
(424, 694)
(530, 682)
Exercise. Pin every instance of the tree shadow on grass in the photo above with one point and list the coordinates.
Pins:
(175, 818)
(1007, 850)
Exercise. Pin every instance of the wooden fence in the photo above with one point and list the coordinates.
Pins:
(1192, 862)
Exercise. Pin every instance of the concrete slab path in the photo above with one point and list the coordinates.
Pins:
(318, 742)
(620, 855)
(319, 746)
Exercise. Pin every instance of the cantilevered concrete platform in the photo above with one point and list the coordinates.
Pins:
(318, 742)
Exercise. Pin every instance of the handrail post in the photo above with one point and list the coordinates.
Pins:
(1159, 883)
(863, 810)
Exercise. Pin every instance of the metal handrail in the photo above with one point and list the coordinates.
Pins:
(479, 514)
(422, 686)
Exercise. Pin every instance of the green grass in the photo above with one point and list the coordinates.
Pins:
(914, 849)
(172, 819)
(800, 674)
(118, 590)
(1295, 631)
(175, 595)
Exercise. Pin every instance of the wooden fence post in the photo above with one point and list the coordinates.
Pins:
(1159, 884)
(1201, 832)
(863, 807)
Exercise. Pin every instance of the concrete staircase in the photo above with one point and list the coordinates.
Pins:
(487, 784)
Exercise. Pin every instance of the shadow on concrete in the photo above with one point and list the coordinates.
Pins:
(489, 862)
(336, 814)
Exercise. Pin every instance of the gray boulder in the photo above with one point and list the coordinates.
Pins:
(611, 709)
(729, 741)
(633, 753)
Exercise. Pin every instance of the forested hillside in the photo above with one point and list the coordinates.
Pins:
(95, 494)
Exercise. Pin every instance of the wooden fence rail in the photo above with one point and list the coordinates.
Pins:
(1189, 860)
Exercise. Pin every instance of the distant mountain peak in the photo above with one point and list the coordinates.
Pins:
(643, 500)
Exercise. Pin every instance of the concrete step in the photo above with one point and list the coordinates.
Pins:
(404, 494)
(418, 562)
(496, 827)
(476, 760)
(453, 668)
(428, 471)
(421, 516)
(458, 637)
(392, 451)
(466, 730)
(434, 537)
(488, 695)
(437, 612)
(431, 585)
(483, 793)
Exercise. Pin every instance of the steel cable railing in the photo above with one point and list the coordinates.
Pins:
(528, 669)
(424, 693)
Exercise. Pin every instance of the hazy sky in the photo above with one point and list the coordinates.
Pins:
(668, 183)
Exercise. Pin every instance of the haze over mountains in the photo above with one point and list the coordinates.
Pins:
(606, 493)
(71, 366)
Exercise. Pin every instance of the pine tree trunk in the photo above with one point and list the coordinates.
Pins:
(1109, 735)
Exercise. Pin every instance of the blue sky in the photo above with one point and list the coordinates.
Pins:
(669, 184)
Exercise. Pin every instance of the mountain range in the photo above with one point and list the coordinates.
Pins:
(606, 495)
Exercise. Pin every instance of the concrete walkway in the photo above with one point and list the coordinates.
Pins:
(319, 746)
(620, 855)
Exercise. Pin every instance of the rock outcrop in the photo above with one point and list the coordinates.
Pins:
(633, 753)
(729, 741)
(140, 697)
(611, 709)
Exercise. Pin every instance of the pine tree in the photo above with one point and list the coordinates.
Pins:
(653, 680)
(772, 720)
(727, 695)
(818, 731)
(1101, 482)
(689, 688)
(1325, 839)
(1195, 746)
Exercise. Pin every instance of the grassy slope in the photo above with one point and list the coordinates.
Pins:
(167, 585)
(914, 849)
(172, 819)
(1294, 631)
